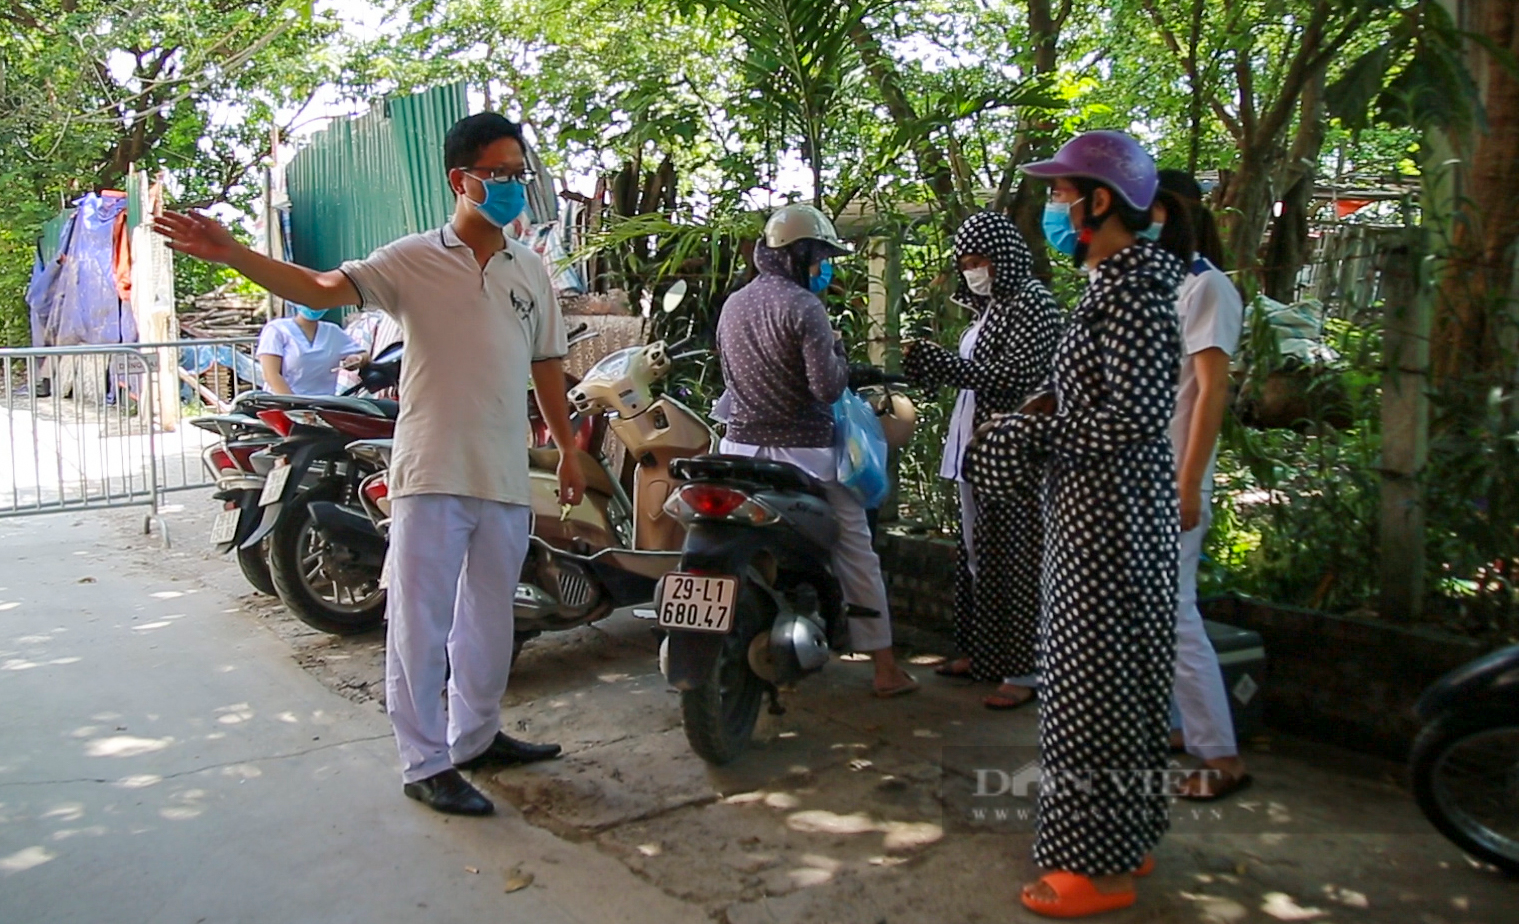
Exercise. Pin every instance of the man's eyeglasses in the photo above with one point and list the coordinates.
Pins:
(525, 177)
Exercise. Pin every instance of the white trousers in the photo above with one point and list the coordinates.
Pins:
(968, 533)
(1200, 697)
(454, 566)
(855, 561)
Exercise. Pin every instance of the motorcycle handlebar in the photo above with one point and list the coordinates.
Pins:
(864, 376)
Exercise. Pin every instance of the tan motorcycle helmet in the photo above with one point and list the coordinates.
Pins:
(798, 222)
(897, 413)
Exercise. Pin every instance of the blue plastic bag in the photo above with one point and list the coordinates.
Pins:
(861, 445)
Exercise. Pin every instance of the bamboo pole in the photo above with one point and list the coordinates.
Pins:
(1405, 435)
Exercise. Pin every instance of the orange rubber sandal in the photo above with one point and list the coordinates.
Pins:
(1076, 897)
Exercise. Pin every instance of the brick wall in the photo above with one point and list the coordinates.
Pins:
(920, 580)
(1344, 680)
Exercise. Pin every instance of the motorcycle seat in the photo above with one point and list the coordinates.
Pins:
(369, 407)
(596, 477)
(782, 476)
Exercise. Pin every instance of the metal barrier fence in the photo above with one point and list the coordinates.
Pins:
(109, 426)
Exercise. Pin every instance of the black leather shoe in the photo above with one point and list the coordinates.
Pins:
(448, 792)
(505, 751)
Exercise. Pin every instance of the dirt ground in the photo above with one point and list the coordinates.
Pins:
(852, 810)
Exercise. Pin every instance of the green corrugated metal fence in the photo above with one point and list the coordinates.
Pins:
(364, 182)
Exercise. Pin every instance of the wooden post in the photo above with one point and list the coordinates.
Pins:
(883, 306)
(883, 302)
(1405, 434)
(273, 305)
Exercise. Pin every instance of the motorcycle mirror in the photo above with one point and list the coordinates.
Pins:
(675, 295)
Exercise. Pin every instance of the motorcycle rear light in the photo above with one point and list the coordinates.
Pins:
(308, 419)
(243, 455)
(221, 460)
(358, 426)
(377, 490)
(716, 502)
(278, 420)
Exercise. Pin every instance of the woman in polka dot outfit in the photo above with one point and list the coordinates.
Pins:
(1108, 624)
(1004, 355)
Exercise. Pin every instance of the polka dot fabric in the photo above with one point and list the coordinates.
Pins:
(997, 593)
(1108, 623)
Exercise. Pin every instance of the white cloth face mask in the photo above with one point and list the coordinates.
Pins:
(979, 280)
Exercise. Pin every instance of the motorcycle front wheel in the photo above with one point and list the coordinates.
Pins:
(313, 576)
(719, 716)
(1465, 770)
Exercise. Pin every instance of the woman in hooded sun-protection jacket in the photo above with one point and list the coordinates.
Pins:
(1107, 636)
(784, 367)
(1004, 355)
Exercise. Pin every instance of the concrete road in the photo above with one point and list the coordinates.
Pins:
(179, 750)
(165, 760)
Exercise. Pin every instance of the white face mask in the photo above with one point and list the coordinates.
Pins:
(979, 280)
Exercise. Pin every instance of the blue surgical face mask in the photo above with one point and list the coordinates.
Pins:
(819, 283)
(1057, 227)
(1152, 233)
(310, 314)
(504, 201)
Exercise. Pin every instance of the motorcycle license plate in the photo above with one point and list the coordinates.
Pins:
(274, 485)
(696, 603)
(225, 527)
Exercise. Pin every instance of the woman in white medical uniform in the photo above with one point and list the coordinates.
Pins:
(301, 355)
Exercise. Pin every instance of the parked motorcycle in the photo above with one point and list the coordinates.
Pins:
(1465, 762)
(241, 462)
(327, 577)
(238, 486)
(608, 552)
(755, 604)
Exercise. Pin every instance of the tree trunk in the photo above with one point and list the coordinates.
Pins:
(1195, 104)
(1475, 311)
(1025, 202)
(933, 165)
(1245, 207)
(1288, 248)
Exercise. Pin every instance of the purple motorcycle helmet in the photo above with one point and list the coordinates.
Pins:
(1110, 157)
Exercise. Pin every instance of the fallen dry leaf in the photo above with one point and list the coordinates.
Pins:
(517, 880)
(821, 822)
(905, 836)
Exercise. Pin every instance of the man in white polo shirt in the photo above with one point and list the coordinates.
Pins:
(478, 312)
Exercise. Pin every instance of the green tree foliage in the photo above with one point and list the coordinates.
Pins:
(89, 88)
(903, 116)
